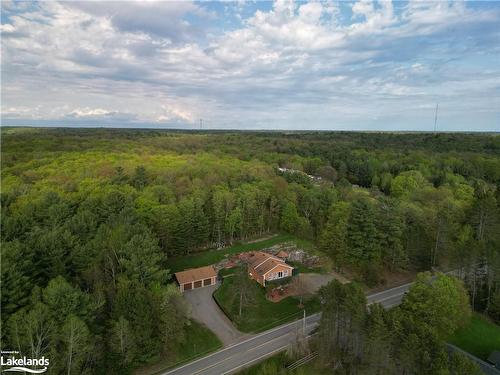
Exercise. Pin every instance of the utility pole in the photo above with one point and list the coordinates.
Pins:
(436, 117)
(304, 323)
(201, 123)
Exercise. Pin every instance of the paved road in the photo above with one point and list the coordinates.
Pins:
(389, 298)
(205, 310)
(231, 359)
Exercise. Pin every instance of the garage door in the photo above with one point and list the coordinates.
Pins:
(207, 282)
(197, 284)
(188, 286)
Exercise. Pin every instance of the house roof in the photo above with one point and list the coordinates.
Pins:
(195, 274)
(494, 358)
(258, 258)
(263, 262)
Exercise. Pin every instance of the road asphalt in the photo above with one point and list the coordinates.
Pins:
(249, 351)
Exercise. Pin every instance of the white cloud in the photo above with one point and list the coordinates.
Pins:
(171, 113)
(91, 112)
(144, 62)
(7, 28)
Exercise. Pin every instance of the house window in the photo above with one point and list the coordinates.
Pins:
(280, 274)
(286, 273)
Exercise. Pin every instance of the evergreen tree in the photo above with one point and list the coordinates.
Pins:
(390, 232)
(16, 280)
(340, 332)
(140, 178)
(333, 240)
(362, 235)
(141, 260)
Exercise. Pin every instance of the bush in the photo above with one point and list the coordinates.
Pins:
(274, 283)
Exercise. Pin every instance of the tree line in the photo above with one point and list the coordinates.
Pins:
(409, 339)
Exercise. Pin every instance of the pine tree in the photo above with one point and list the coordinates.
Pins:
(140, 178)
(390, 232)
(16, 282)
(362, 236)
(142, 260)
(333, 239)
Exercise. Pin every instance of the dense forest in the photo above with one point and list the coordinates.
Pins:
(90, 217)
(408, 339)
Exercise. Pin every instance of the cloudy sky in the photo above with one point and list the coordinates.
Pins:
(357, 65)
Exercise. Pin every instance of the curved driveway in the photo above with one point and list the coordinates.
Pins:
(206, 311)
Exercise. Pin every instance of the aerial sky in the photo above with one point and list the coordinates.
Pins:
(348, 65)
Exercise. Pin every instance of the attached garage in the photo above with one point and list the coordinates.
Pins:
(196, 278)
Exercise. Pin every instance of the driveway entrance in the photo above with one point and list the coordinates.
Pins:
(206, 311)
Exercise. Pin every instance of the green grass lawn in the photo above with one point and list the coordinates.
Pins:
(304, 269)
(480, 337)
(226, 272)
(208, 257)
(261, 314)
(199, 341)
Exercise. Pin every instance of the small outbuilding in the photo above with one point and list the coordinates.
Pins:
(494, 359)
(282, 255)
(196, 278)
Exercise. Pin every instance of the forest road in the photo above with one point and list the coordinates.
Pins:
(235, 357)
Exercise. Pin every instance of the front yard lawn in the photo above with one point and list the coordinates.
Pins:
(480, 337)
(199, 341)
(208, 257)
(261, 314)
(301, 268)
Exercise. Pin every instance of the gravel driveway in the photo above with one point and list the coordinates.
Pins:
(311, 282)
(206, 311)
